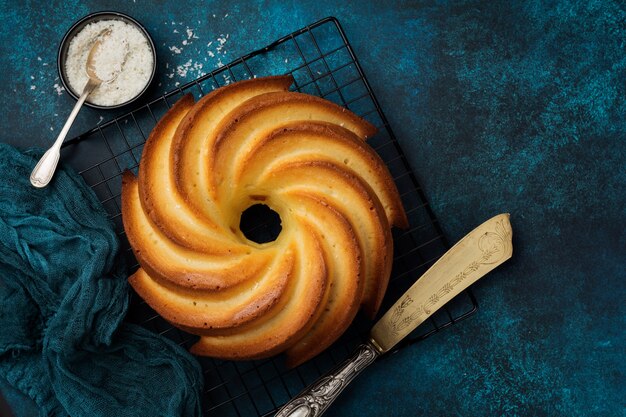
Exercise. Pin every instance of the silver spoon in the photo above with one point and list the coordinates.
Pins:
(44, 170)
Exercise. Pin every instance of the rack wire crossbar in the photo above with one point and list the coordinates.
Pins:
(323, 63)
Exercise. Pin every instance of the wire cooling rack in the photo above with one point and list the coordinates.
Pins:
(322, 63)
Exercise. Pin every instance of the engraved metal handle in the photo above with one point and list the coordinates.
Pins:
(316, 398)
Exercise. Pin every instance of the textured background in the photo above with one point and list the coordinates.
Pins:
(500, 106)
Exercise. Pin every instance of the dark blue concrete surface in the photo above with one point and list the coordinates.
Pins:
(500, 106)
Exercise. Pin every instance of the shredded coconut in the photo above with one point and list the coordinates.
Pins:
(110, 57)
(125, 52)
(59, 89)
(216, 49)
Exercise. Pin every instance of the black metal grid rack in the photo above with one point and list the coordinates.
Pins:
(322, 63)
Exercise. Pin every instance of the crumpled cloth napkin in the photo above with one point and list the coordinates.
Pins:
(63, 296)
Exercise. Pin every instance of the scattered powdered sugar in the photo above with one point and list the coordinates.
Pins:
(125, 44)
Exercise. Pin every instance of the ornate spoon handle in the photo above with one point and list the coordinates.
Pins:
(44, 170)
(316, 398)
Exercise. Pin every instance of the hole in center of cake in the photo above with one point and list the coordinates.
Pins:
(260, 224)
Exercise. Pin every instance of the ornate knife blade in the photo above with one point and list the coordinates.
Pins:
(479, 252)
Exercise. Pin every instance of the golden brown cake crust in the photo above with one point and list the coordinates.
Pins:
(304, 157)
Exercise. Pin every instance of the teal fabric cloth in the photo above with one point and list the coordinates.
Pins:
(63, 297)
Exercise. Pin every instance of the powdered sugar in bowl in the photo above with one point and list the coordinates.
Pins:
(128, 51)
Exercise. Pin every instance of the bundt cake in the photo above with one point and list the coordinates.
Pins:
(255, 142)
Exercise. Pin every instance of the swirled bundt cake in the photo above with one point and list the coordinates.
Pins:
(243, 144)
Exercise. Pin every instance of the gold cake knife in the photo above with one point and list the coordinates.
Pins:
(483, 249)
